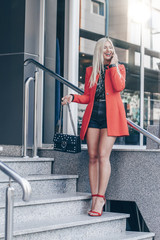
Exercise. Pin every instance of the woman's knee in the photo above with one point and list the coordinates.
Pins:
(103, 157)
(93, 158)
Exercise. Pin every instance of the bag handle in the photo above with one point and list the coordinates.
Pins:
(60, 120)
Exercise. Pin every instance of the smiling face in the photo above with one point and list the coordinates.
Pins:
(107, 52)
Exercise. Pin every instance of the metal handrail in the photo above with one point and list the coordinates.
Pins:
(26, 106)
(53, 74)
(26, 102)
(22, 181)
(78, 90)
(143, 131)
(10, 197)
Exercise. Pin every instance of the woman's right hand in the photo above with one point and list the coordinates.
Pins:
(114, 59)
(67, 99)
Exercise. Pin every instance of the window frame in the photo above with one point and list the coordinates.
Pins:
(98, 2)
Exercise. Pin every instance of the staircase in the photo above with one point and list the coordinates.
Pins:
(56, 211)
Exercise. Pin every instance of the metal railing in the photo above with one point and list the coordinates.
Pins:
(26, 107)
(73, 87)
(143, 131)
(25, 185)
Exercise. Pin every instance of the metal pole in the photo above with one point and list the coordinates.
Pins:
(35, 114)
(71, 65)
(26, 108)
(9, 213)
(41, 73)
(107, 18)
(142, 80)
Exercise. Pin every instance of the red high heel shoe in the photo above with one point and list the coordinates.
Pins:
(93, 195)
(98, 214)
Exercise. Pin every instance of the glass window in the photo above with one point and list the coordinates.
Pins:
(155, 41)
(152, 76)
(123, 26)
(156, 4)
(156, 63)
(155, 19)
(97, 7)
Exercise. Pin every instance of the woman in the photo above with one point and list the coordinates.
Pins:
(104, 118)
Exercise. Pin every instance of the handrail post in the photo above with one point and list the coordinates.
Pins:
(35, 113)
(9, 213)
(26, 187)
(26, 108)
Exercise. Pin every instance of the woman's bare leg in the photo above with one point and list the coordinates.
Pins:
(92, 143)
(105, 146)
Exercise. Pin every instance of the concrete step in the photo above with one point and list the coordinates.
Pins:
(56, 206)
(127, 235)
(26, 166)
(79, 227)
(10, 150)
(42, 185)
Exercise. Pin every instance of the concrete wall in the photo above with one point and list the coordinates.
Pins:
(118, 19)
(118, 24)
(90, 22)
(135, 177)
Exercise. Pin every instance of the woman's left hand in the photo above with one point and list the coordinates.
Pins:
(67, 99)
(114, 59)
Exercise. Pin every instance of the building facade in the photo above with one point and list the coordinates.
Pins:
(62, 35)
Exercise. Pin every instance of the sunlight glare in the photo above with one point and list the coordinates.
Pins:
(139, 12)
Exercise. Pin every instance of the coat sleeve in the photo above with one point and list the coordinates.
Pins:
(83, 99)
(118, 81)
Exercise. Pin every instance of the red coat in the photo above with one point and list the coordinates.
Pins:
(115, 113)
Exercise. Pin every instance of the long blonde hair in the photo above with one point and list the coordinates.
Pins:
(98, 60)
